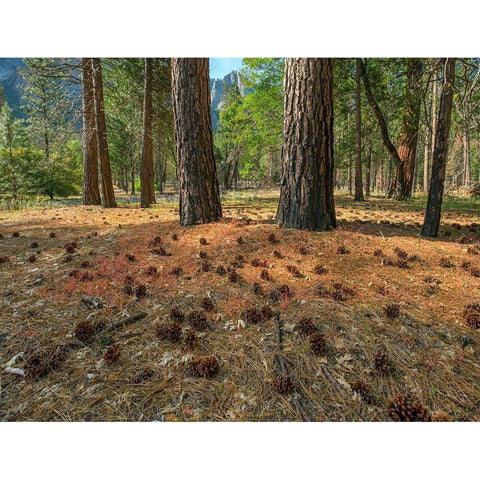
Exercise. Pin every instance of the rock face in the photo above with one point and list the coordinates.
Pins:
(217, 89)
(10, 79)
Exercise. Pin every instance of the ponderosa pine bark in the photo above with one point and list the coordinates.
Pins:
(437, 181)
(106, 173)
(90, 190)
(358, 135)
(197, 172)
(306, 195)
(147, 174)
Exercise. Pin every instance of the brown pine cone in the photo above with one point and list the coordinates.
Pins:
(381, 362)
(83, 331)
(205, 366)
(471, 315)
(169, 331)
(283, 384)
(305, 326)
(198, 320)
(112, 355)
(317, 344)
(404, 409)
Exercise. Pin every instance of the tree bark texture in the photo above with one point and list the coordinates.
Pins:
(437, 181)
(91, 192)
(358, 135)
(306, 195)
(407, 148)
(198, 182)
(147, 174)
(106, 174)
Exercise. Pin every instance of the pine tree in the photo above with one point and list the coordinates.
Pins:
(199, 192)
(306, 196)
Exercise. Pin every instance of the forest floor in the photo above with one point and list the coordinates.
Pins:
(389, 304)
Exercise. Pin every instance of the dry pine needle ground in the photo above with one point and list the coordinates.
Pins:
(380, 288)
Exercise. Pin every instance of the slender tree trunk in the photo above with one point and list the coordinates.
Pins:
(407, 148)
(426, 159)
(358, 134)
(199, 192)
(466, 158)
(306, 195)
(107, 186)
(368, 171)
(132, 178)
(147, 175)
(404, 158)
(91, 192)
(435, 195)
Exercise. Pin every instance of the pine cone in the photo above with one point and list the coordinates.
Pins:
(441, 417)
(198, 320)
(471, 315)
(208, 305)
(404, 409)
(305, 326)
(83, 331)
(142, 376)
(264, 275)
(320, 269)
(266, 312)
(190, 341)
(169, 331)
(317, 344)
(252, 315)
(177, 315)
(381, 362)
(272, 238)
(283, 384)
(205, 366)
(221, 270)
(401, 253)
(112, 354)
(42, 362)
(363, 390)
(140, 291)
(392, 310)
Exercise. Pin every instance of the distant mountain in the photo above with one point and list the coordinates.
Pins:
(10, 80)
(217, 89)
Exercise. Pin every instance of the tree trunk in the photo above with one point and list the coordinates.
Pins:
(410, 120)
(435, 195)
(132, 178)
(466, 158)
(358, 135)
(306, 195)
(404, 157)
(199, 192)
(147, 176)
(91, 192)
(368, 171)
(107, 186)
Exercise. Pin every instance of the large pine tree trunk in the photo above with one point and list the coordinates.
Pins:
(107, 186)
(437, 181)
(91, 192)
(306, 196)
(358, 135)
(199, 192)
(147, 174)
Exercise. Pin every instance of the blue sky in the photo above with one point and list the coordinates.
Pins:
(219, 67)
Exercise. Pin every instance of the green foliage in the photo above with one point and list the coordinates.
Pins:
(249, 136)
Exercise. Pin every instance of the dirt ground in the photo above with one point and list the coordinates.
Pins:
(351, 282)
